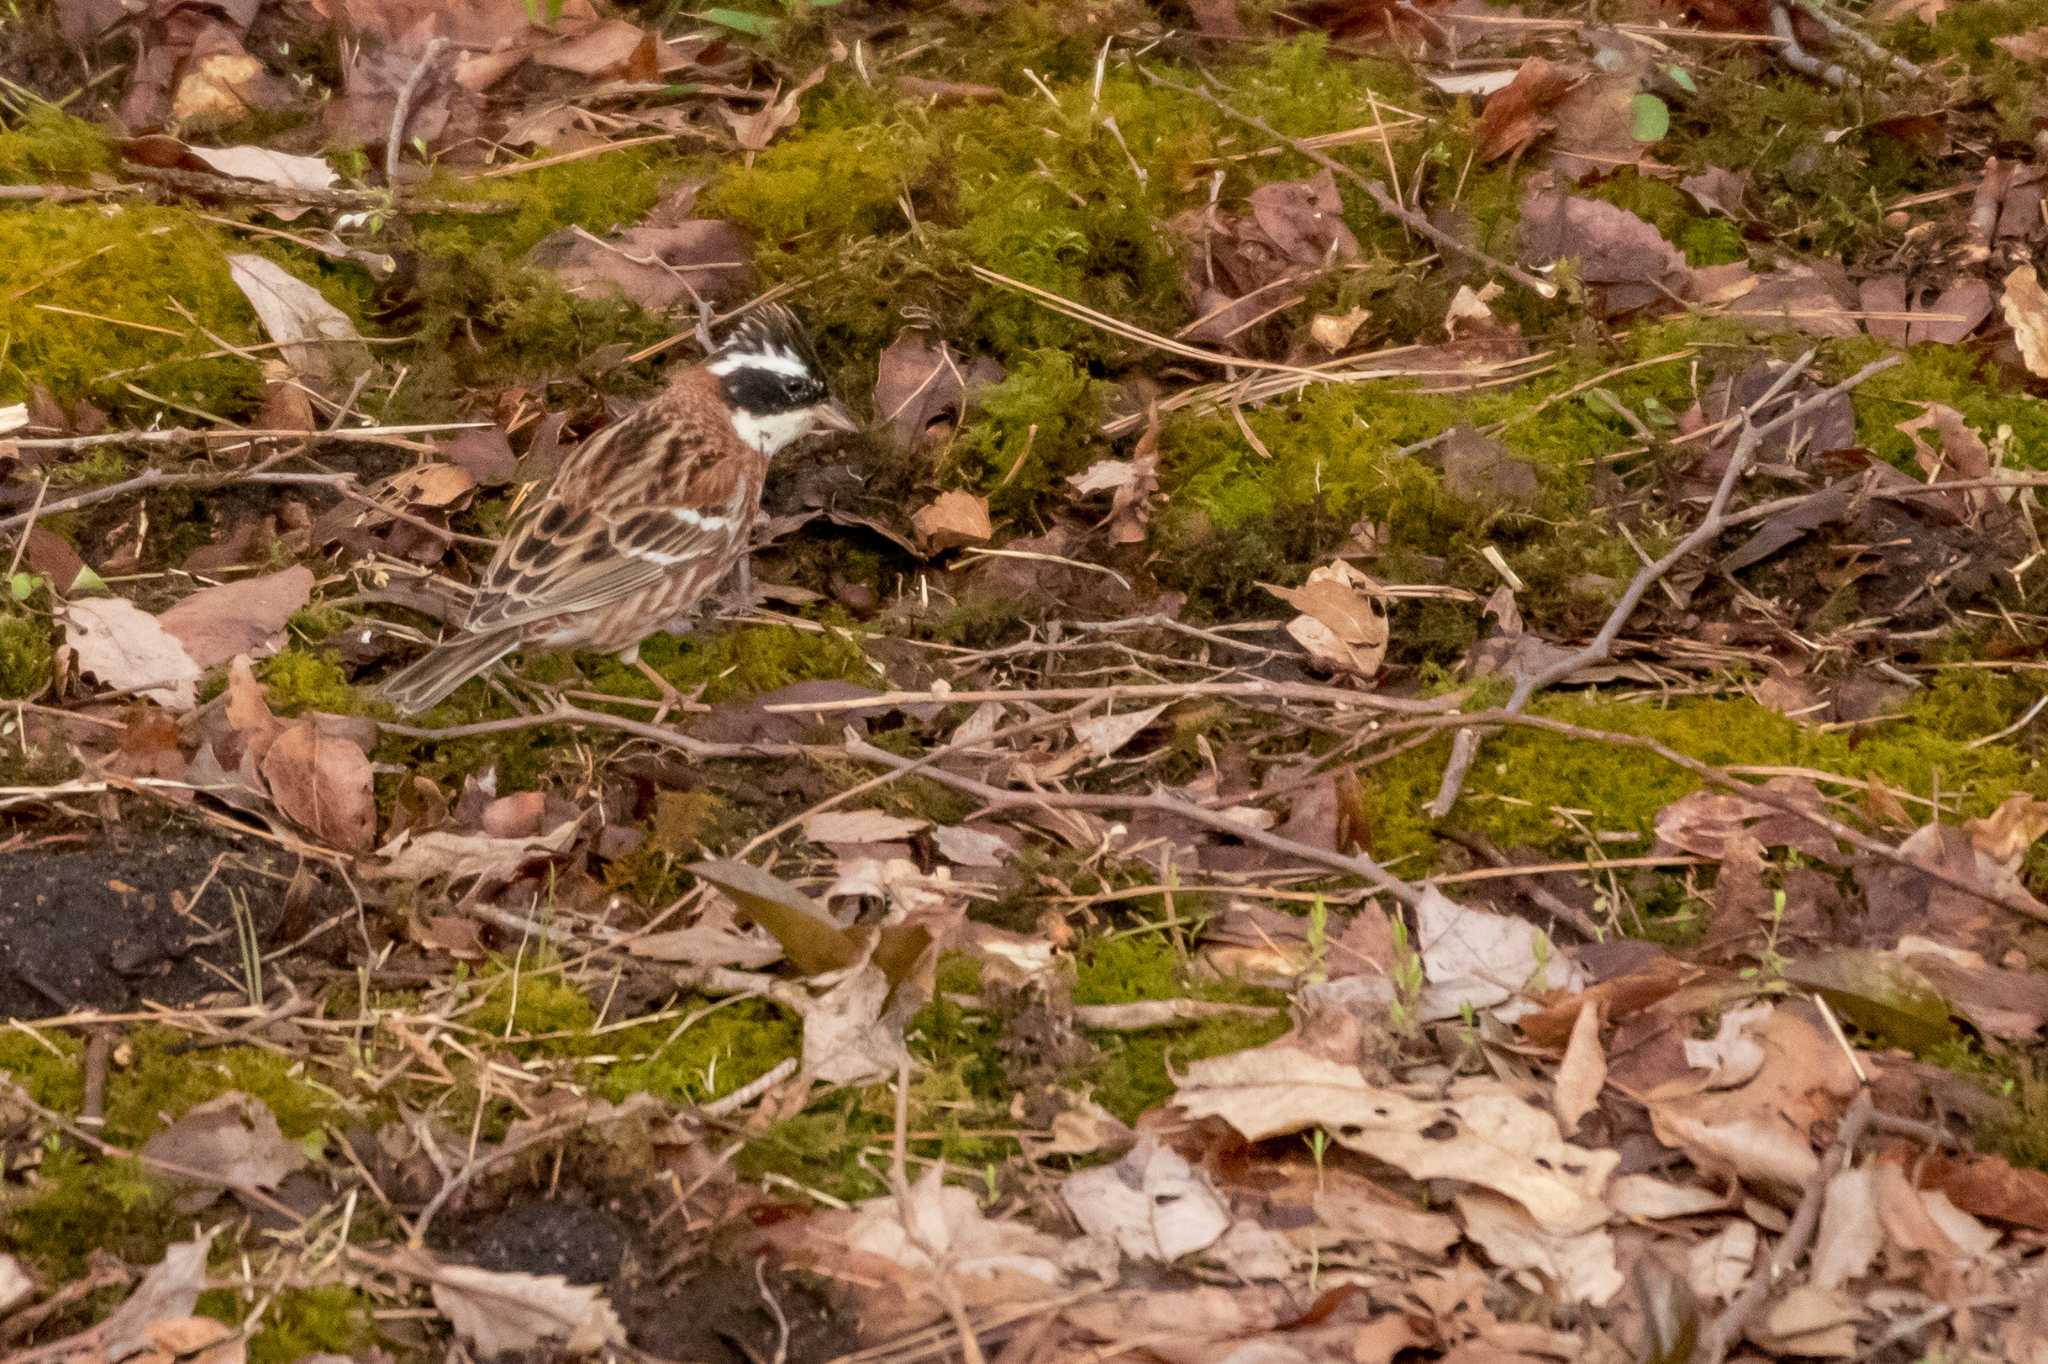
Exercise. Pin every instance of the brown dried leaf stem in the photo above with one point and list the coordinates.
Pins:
(1466, 746)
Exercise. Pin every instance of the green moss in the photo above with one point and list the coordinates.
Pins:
(302, 679)
(1133, 1073)
(597, 193)
(520, 1000)
(78, 1204)
(298, 1322)
(740, 662)
(161, 1083)
(48, 147)
(53, 1079)
(717, 1054)
(26, 649)
(1951, 375)
(1524, 777)
(1043, 413)
(838, 183)
(128, 266)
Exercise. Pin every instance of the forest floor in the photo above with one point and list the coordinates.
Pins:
(1413, 728)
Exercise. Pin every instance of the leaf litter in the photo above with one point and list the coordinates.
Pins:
(1002, 914)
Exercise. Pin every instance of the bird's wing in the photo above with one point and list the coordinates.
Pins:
(633, 505)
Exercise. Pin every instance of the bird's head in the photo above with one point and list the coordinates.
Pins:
(770, 377)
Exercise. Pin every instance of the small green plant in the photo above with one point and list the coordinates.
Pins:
(1318, 1146)
(1318, 943)
(1405, 1013)
(1771, 963)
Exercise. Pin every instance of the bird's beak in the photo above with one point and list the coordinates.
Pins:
(832, 417)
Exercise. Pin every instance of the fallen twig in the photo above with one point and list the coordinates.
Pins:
(1466, 747)
(998, 797)
(401, 113)
(1728, 1328)
(1150, 691)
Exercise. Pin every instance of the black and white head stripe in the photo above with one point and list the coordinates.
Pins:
(765, 364)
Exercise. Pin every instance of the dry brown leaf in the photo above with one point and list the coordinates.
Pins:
(1719, 1266)
(1151, 1203)
(2026, 312)
(952, 520)
(271, 167)
(324, 785)
(1583, 1073)
(1850, 1235)
(860, 826)
(170, 1289)
(1624, 262)
(1104, 735)
(1765, 1129)
(1480, 1132)
(1988, 1186)
(1343, 620)
(127, 649)
(246, 616)
(2031, 46)
(232, 1140)
(848, 1039)
(1333, 331)
(318, 339)
(501, 1312)
(442, 852)
(754, 131)
(1514, 117)
(921, 390)
(1580, 1264)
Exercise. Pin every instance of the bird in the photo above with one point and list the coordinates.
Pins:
(644, 518)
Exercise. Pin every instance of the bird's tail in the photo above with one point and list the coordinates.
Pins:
(449, 665)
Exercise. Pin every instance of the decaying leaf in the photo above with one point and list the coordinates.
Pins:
(232, 1140)
(860, 826)
(1152, 1203)
(323, 784)
(128, 649)
(1479, 1133)
(246, 616)
(952, 520)
(921, 388)
(171, 1288)
(1624, 262)
(318, 338)
(1343, 620)
(2026, 311)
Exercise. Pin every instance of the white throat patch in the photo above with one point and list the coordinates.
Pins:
(772, 432)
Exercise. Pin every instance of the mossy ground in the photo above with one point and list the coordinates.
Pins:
(871, 210)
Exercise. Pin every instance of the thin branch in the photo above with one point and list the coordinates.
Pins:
(1001, 798)
(184, 435)
(1466, 748)
(1728, 1328)
(1150, 691)
(401, 114)
(1378, 192)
